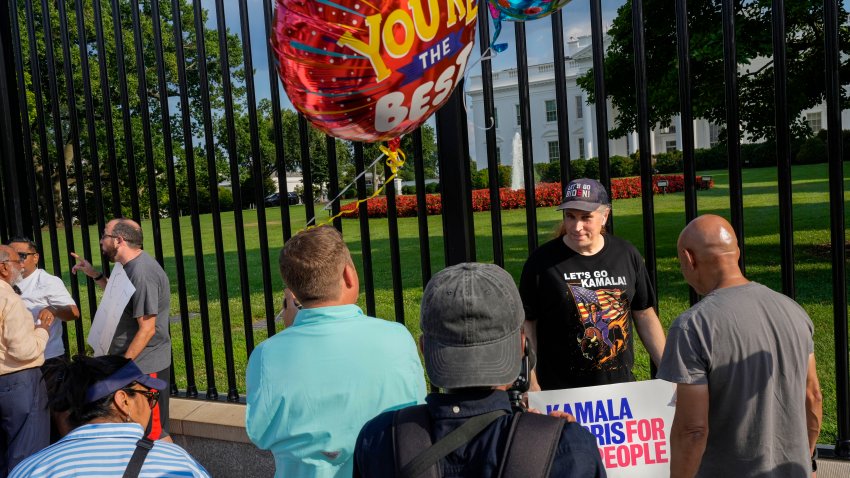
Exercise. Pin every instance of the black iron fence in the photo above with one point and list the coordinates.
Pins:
(143, 109)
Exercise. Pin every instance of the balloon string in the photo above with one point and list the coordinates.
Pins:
(488, 55)
(395, 160)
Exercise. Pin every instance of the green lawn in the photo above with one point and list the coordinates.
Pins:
(761, 223)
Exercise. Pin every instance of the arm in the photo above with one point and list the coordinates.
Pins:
(689, 432)
(24, 343)
(530, 328)
(650, 332)
(814, 404)
(61, 312)
(88, 269)
(147, 329)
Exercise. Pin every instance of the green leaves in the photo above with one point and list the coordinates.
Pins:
(753, 24)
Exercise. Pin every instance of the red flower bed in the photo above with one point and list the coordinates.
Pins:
(545, 195)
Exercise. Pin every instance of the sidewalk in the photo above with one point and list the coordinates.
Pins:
(830, 468)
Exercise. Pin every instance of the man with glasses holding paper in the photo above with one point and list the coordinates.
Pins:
(132, 318)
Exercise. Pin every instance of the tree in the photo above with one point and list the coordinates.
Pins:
(429, 154)
(111, 104)
(805, 61)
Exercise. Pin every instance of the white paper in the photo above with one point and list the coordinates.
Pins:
(630, 421)
(117, 295)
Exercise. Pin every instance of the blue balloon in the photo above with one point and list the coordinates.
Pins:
(518, 11)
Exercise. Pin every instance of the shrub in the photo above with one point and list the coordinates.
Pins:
(812, 151)
(225, 199)
(589, 168)
(577, 168)
(623, 166)
(431, 188)
(711, 158)
(548, 172)
(505, 173)
(480, 179)
(671, 162)
(758, 155)
(408, 189)
(545, 195)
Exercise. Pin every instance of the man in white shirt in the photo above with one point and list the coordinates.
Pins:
(44, 295)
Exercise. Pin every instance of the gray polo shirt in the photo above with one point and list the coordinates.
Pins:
(152, 297)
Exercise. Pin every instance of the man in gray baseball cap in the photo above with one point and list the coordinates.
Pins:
(474, 348)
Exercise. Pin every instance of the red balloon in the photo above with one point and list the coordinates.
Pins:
(372, 70)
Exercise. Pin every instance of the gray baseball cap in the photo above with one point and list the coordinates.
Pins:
(471, 318)
(585, 195)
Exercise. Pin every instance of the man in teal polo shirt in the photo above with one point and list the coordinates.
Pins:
(313, 386)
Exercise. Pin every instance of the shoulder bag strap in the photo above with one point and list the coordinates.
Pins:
(428, 458)
(411, 434)
(531, 446)
(143, 446)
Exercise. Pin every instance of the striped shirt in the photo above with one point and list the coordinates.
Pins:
(104, 450)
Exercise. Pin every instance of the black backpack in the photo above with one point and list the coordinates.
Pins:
(529, 451)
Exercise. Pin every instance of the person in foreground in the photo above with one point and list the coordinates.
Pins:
(474, 350)
(585, 293)
(313, 386)
(745, 353)
(109, 401)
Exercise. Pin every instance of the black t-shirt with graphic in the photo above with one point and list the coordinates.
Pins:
(582, 306)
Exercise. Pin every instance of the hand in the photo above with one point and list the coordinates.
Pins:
(83, 265)
(562, 414)
(45, 322)
(46, 314)
(290, 307)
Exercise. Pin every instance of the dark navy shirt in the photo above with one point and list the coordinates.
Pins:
(576, 457)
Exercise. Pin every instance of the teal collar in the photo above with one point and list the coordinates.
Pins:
(321, 314)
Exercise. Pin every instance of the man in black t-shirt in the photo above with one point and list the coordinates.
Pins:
(582, 292)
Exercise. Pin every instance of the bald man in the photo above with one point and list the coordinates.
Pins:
(745, 353)
(142, 333)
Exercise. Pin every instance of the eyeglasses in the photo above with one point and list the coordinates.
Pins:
(24, 255)
(109, 235)
(151, 395)
(10, 260)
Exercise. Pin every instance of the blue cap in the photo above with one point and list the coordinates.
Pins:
(585, 195)
(121, 378)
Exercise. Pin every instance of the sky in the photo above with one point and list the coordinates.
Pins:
(576, 17)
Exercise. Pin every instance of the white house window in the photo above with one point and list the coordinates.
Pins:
(579, 108)
(551, 111)
(518, 116)
(581, 148)
(669, 130)
(554, 152)
(495, 117)
(670, 146)
(498, 155)
(713, 134)
(814, 121)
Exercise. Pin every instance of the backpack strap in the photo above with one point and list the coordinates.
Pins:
(134, 467)
(411, 435)
(428, 456)
(532, 442)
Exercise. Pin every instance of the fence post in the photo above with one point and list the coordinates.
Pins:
(455, 180)
(15, 203)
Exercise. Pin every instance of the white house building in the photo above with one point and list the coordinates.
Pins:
(582, 116)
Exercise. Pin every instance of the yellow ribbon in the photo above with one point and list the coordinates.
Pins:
(395, 160)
